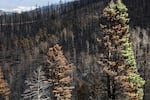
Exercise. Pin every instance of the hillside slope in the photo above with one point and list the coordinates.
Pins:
(25, 39)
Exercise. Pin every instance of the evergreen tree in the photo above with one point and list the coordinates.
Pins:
(60, 73)
(38, 87)
(4, 90)
(118, 60)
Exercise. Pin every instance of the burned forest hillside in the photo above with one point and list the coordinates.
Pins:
(25, 39)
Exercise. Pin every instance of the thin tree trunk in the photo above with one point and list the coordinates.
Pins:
(113, 90)
(6, 97)
(108, 87)
(108, 79)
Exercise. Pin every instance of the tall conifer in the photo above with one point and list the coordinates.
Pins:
(4, 89)
(118, 60)
(60, 73)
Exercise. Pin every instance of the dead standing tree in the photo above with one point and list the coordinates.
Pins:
(4, 90)
(37, 86)
(59, 73)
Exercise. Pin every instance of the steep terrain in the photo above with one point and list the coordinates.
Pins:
(25, 39)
